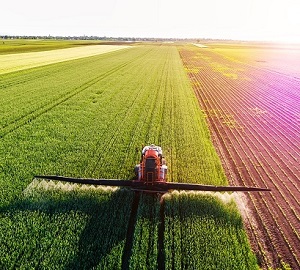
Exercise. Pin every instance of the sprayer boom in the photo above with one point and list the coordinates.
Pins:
(151, 176)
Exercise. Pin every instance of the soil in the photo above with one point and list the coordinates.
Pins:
(253, 114)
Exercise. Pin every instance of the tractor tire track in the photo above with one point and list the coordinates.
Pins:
(161, 238)
(127, 252)
(26, 119)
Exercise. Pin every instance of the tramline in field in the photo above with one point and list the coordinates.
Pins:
(151, 176)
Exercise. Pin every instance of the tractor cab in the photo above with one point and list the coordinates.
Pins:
(152, 166)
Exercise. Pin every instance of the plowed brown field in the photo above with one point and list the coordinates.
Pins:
(251, 97)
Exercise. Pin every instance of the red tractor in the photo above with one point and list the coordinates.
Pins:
(152, 168)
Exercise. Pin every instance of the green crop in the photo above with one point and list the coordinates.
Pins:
(205, 232)
(89, 118)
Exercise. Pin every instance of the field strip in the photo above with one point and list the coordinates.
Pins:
(21, 61)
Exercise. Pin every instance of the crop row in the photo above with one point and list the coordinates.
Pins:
(248, 144)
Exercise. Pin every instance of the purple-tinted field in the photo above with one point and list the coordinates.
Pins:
(251, 97)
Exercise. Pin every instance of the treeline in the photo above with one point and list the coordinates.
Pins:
(105, 38)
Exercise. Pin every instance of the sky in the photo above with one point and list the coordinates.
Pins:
(267, 20)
